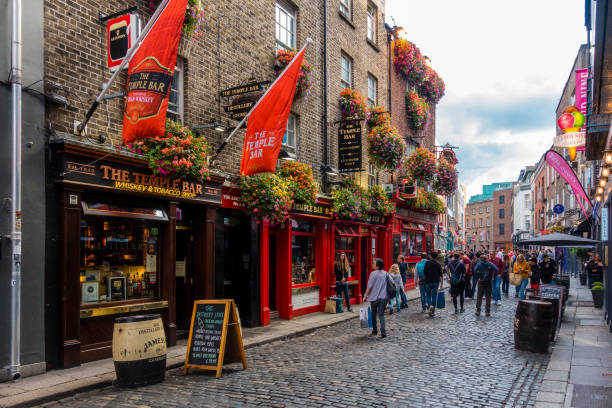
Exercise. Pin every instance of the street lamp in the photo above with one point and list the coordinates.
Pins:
(608, 156)
(603, 181)
(600, 190)
(605, 170)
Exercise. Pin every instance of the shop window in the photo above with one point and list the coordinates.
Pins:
(119, 260)
(346, 245)
(285, 26)
(404, 242)
(419, 243)
(429, 243)
(346, 71)
(175, 101)
(290, 136)
(372, 90)
(303, 259)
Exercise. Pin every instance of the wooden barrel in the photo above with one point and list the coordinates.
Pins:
(555, 311)
(532, 325)
(139, 350)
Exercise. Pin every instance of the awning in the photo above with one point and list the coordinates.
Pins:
(347, 231)
(109, 210)
(558, 239)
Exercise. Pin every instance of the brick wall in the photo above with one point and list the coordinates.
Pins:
(470, 230)
(502, 240)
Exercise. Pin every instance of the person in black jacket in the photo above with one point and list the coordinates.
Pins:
(547, 270)
(535, 273)
(403, 267)
(342, 270)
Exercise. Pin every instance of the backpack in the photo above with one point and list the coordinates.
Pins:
(455, 278)
(420, 267)
(391, 289)
(486, 272)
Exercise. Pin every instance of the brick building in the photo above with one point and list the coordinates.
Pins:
(538, 192)
(502, 219)
(478, 219)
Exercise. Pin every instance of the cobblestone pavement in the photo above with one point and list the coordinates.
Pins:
(445, 361)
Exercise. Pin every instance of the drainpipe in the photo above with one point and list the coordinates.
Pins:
(16, 82)
(325, 118)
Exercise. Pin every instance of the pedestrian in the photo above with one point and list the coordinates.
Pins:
(394, 272)
(497, 260)
(467, 284)
(403, 268)
(420, 272)
(486, 272)
(595, 270)
(456, 277)
(376, 294)
(506, 275)
(434, 279)
(342, 270)
(475, 274)
(534, 269)
(547, 270)
(521, 267)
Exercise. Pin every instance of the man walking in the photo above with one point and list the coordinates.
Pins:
(485, 271)
(420, 271)
(403, 267)
(497, 260)
(468, 278)
(376, 294)
(433, 279)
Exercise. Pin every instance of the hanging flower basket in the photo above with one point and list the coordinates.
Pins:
(409, 62)
(378, 116)
(268, 196)
(446, 178)
(352, 104)
(386, 148)
(416, 110)
(433, 87)
(302, 181)
(350, 201)
(426, 201)
(380, 201)
(421, 166)
(304, 82)
(177, 154)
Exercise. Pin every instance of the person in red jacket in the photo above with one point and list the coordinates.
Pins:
(498, 261)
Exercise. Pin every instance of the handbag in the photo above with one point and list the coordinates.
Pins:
(330, 306)
(440, 301)
(391, 288)
(365, 318)
(515, 279)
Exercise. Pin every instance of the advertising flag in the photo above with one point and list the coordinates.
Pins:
(563, 168)
(150, 75)
(268, 120)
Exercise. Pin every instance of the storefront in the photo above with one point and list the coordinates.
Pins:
(129, 242)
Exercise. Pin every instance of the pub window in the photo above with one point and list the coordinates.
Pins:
(371, 175)
(502, 213)
(285, 26)
(289, 138)
(501, 229)
(371, 23)
(346, 71)
(346, 8)
(119, 259)
(372, 90)
(303, 253)
(175, 101)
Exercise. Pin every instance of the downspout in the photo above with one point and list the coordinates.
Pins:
(389, 40)
(325, 117)
(16, 82)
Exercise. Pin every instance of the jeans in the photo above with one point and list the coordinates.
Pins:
(483, 288)
(397, 301)
(422, 288)
(496, 288)
(505, 283)
(431, 291)
(378, 310)
(404, 298)
(474, 283)
(343, 288)
(460, 292)
(468, 287)
(521, 289)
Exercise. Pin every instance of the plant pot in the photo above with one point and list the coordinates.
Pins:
(597, 298)
(185, 45)
(583, 279)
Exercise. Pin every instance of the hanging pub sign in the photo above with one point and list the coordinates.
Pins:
(349, 146)
(251, 86)
(121, 34)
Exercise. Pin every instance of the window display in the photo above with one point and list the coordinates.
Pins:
(302, 253)
(119, 260)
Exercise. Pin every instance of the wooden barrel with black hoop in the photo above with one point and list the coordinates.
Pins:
(139, 350)
(532, 325)
(555, 311)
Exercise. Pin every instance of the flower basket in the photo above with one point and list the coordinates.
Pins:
(386, 147)
(426, 201)
(351, 201)
(352, 104)
(445, 182)
(380, 201)
(598, 293)
(268, 196)
(304, 82)
(177, 154)
(302, 181)
(185, 46)
(409, 62)
(416, 110)
(421, 165)
(378, 116)
(432, 87)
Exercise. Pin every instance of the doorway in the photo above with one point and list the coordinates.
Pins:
(185, 288)
(272, 277)
(364, 264)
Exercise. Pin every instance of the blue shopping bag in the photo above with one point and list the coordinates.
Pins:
(441, 301)
(365, 318)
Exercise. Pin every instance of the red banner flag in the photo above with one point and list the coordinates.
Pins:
(267, 122)
(150, 75)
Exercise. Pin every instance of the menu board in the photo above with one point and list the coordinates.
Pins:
(215, 336)
(553, 292)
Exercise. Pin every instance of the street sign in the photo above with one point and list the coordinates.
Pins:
(558, 209)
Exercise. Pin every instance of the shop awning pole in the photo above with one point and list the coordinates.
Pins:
(16, 83)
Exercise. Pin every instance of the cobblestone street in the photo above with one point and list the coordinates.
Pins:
(449, 360)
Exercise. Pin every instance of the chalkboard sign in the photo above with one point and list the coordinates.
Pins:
(553, 292)
(215, 336)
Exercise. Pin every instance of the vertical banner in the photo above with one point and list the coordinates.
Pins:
(582, 76)
(563, 168)
(604, 224)
(150, 75)
(268, 120)
(349, 146)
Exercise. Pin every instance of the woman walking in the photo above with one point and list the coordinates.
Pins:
(394, 272)
(342, 270)
(521, 267)
(506, 275)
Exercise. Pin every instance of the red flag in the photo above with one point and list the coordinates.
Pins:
(150, 75)
(267, 122)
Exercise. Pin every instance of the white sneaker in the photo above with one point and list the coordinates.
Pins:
(499, 302)
(468, 298)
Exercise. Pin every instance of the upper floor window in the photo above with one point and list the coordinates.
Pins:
(372, 90)
(346, 71)
(488, 222)
(290, 136)
(479, 210)
(488, 210)
(346, 8)
(175, 101)
(502, 213)
(501, 199)
(481, 222)
(371, 175)
(371, 23)
(473, 211)
(501, 229)
(473, 222)
(285, 26)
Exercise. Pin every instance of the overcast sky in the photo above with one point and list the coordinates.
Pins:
(504, 65)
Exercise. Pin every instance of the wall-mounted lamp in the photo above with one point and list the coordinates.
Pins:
(605, 170)
(600, 190)
(603, 181)
(598, 199)
(211, 125)
(286, 156)
(608, 156)
(329, 170)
